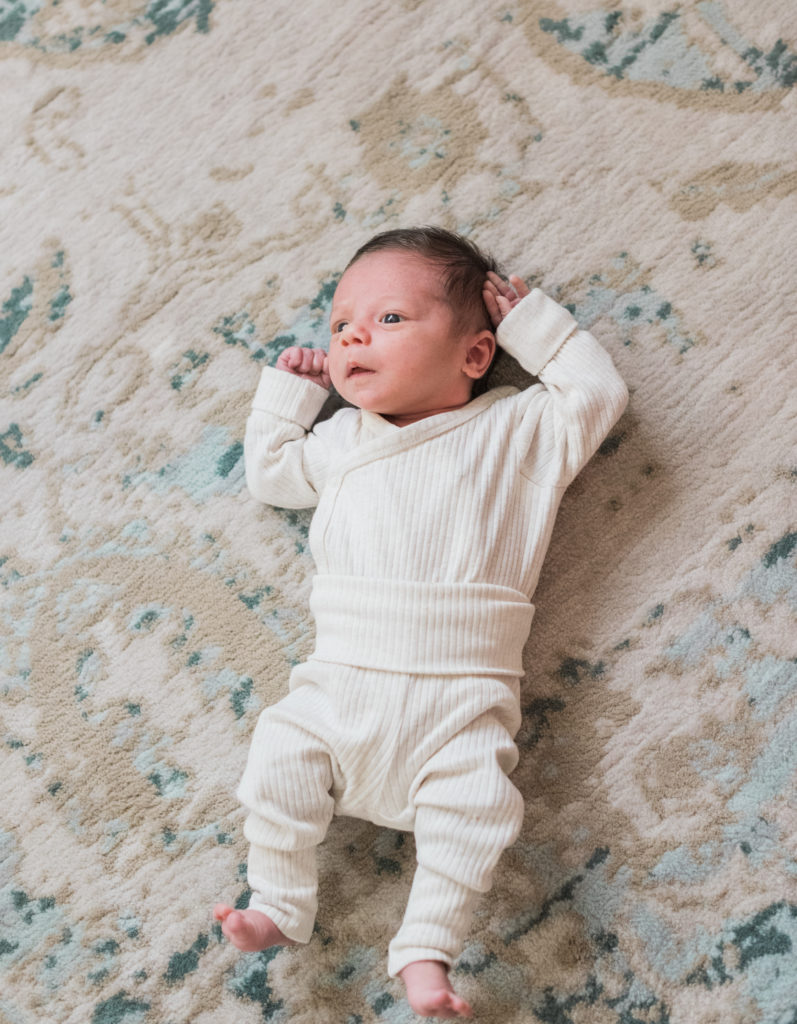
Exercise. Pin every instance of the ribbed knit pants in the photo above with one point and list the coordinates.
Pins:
(429, 754)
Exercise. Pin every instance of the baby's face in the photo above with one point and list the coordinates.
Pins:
(395, 347)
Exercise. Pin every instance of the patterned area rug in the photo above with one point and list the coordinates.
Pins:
(181, 184)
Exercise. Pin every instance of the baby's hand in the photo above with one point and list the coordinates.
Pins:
(500, 296)
(308, 363)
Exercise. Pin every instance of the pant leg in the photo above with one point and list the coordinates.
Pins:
(466, 813)
(286, 789)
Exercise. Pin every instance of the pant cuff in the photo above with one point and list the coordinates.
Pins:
(398, 959)
(291, 927)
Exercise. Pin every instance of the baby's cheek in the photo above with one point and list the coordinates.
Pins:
(335, 371)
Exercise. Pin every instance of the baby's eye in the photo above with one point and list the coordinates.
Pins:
(338, 327)
(391, 318)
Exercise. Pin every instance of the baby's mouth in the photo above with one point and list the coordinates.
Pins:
(358, 371)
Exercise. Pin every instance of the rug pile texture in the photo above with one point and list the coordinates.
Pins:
(181, 185)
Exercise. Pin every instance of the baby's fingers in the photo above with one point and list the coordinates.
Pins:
(499, 286)
(513, 289)
(289, 358)
(319, 361)
(497, 304)
(306, 361)
(310, 363)
(501, 296)
(490, 296)
(519, 285)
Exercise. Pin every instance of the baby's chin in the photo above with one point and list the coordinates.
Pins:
(361, 400)
(400, 413)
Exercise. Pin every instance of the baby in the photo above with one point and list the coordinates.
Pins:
(434, 512)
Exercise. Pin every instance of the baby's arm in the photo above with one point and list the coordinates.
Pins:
(582, 394)
(285, 463)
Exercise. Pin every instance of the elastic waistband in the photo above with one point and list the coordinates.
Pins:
(430, 628)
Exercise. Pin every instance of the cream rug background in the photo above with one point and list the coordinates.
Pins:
(180, 184)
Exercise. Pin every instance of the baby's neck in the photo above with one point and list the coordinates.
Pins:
(405, 419)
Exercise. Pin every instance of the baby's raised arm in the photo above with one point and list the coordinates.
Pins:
(285, 461)
(580, 395)
(308, 363)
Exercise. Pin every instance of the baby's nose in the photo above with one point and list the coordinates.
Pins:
(355, 334)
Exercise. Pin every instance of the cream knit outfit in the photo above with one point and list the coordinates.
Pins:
(428, 541)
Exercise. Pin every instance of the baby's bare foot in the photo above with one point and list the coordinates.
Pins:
(429, 991)
(249, 930)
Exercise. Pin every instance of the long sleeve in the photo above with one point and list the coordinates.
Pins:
(284, 461)
(568, 415)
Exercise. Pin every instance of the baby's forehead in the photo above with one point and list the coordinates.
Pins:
(392, 271)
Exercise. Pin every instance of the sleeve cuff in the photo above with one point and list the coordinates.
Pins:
(289, 397)
(535, 329)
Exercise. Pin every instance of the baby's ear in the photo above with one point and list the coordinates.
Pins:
(479, 355)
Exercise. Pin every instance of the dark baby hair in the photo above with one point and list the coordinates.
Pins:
(463, 264)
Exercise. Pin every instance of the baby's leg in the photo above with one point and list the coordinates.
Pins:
(286, 789)
(467, 813)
